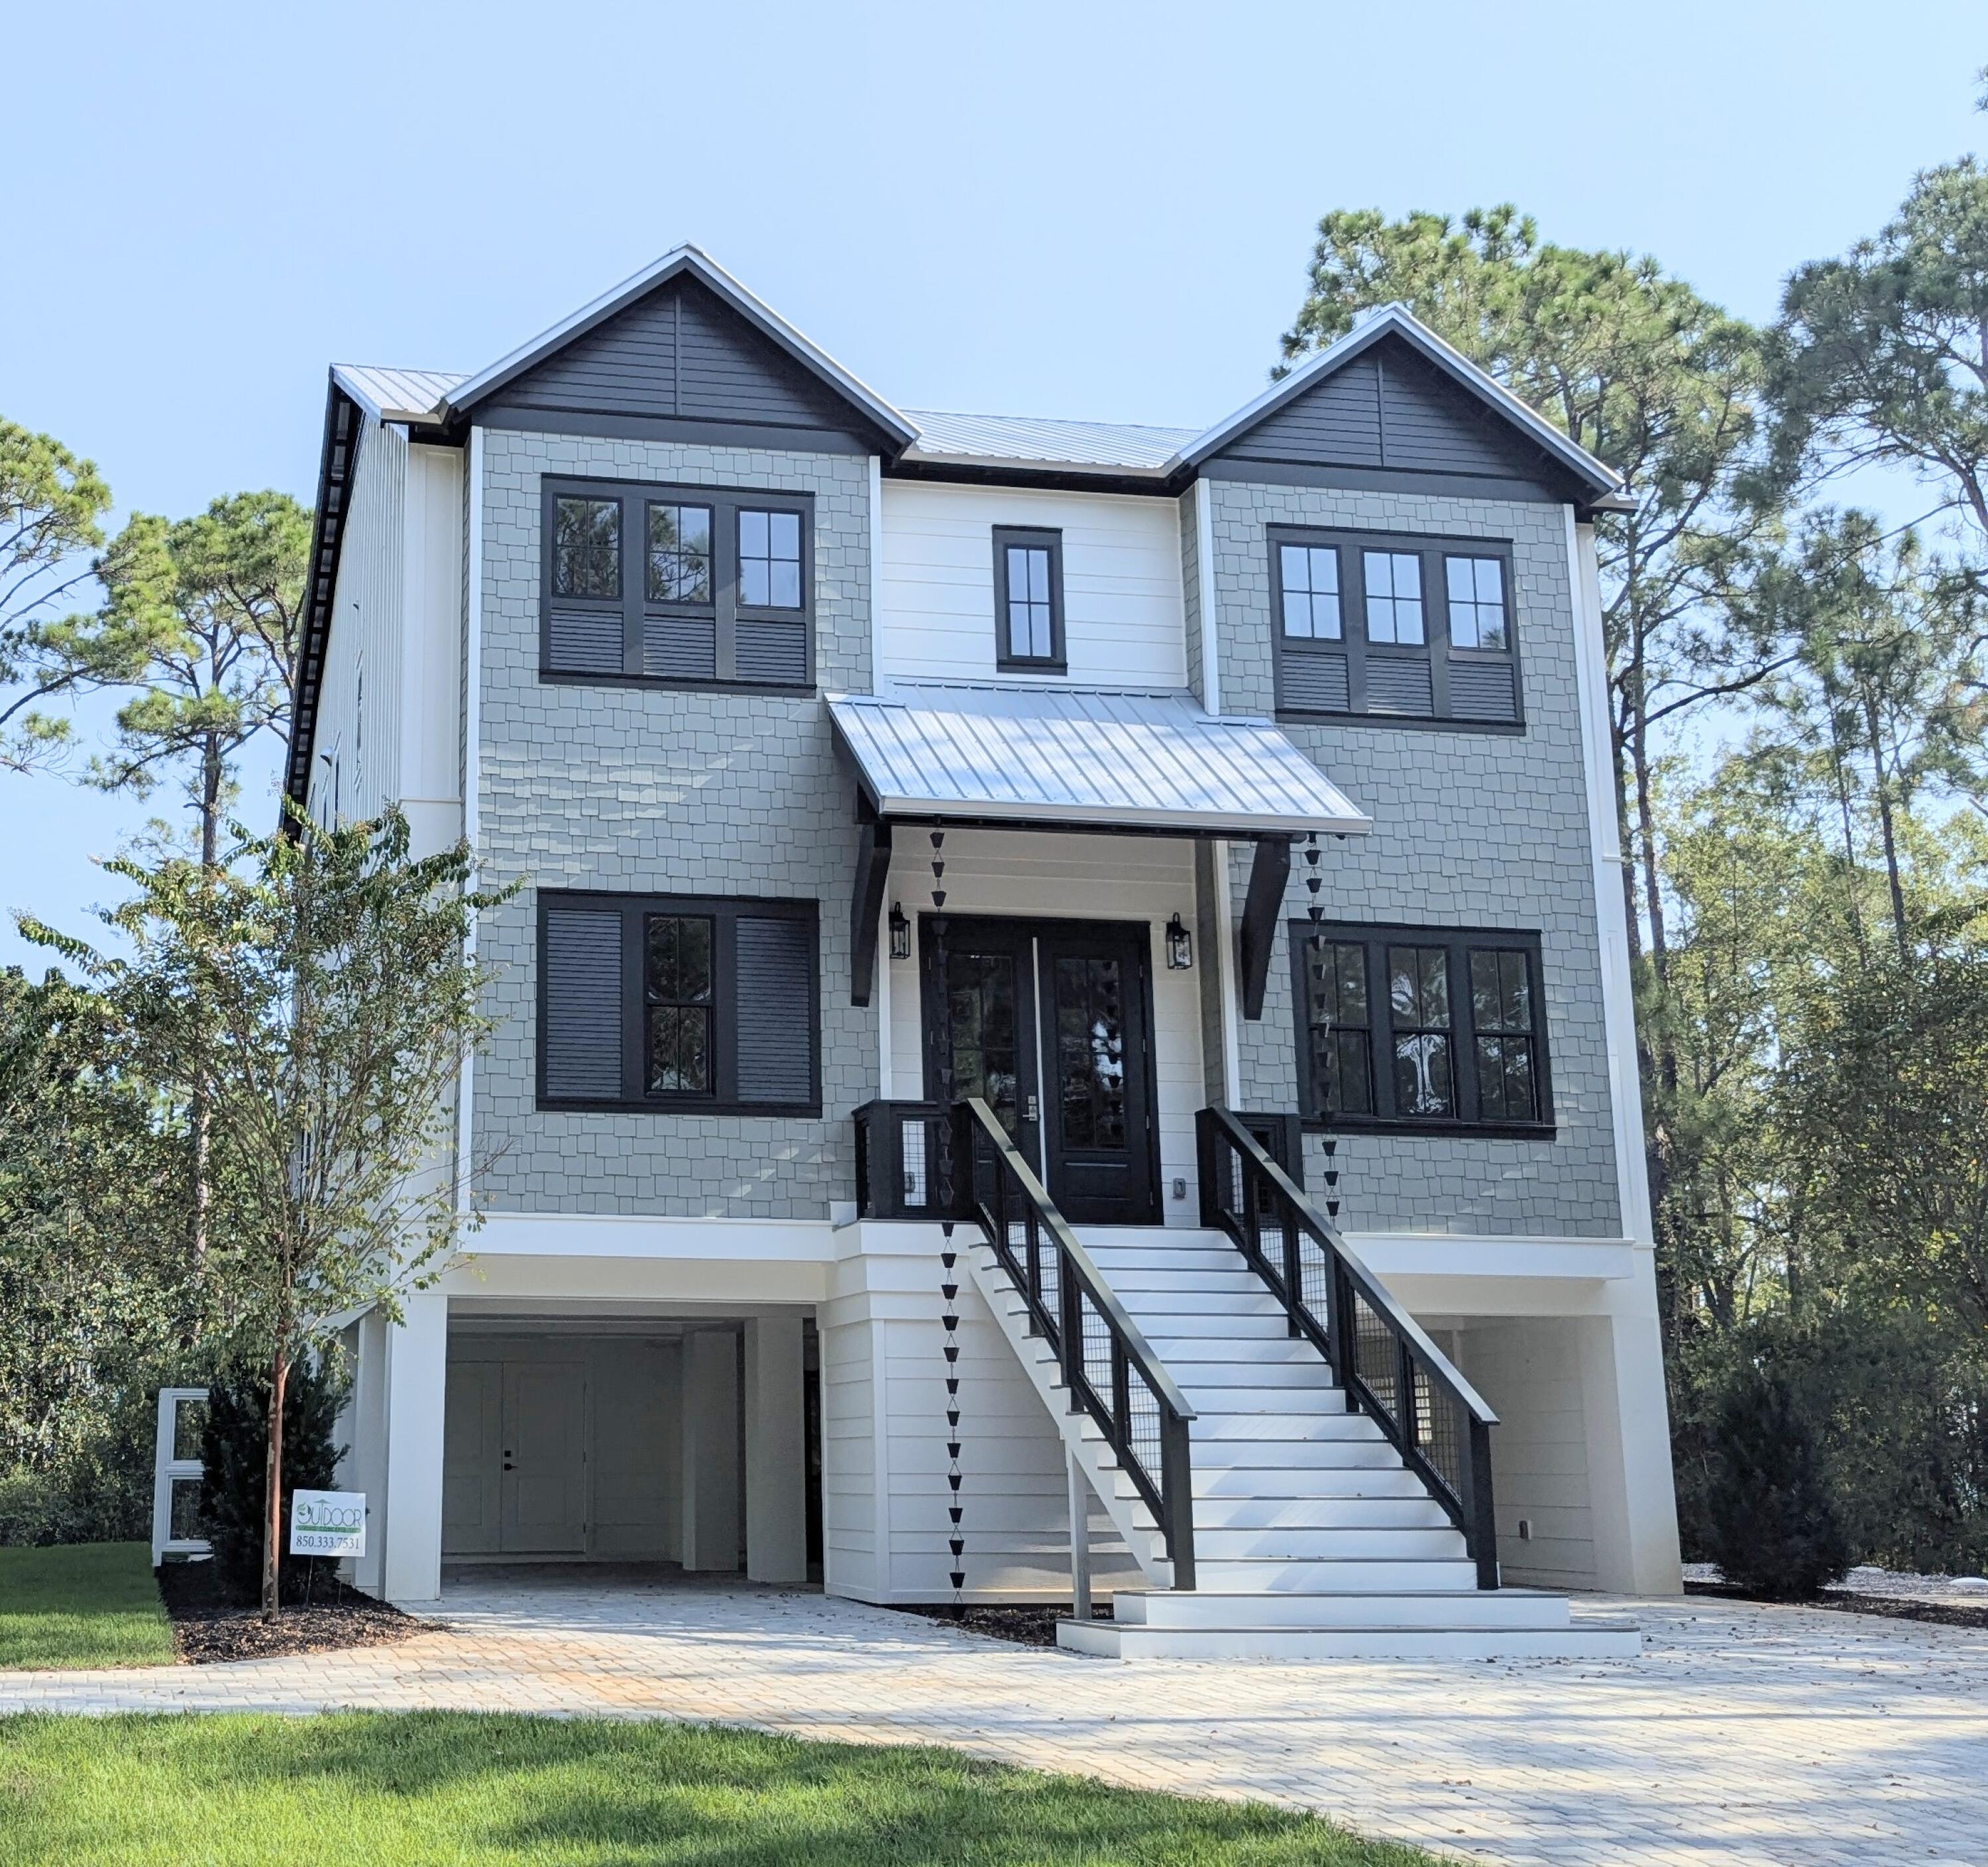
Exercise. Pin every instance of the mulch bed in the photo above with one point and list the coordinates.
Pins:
(209, 1625)
(1025, 1626)
(1841, 1601)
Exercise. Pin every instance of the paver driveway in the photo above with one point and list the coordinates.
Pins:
(1743, 1735)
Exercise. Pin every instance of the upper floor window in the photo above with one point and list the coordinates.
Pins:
(1028, 599)
(720, 594)
(676, 1003)
(1416, 1028)
(1404, 627)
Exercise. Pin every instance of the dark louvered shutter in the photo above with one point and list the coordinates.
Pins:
(1483, 690)
(583, 993)
(772, 651)
(584, 641)
(775, 1009)
(1314, 682)
(1395, 685)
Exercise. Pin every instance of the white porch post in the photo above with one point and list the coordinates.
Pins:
(365, 1467)
(776, 1451)
(417, 1382)
(1079, 1538)
(1623, 1403)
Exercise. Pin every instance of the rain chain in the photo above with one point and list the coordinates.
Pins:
(1312, 882)
(948, 1258)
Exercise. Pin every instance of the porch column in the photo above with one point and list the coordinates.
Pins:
(364, 1466)
(775, 1452)
(710, 1450)
(417, 1381)
(1632, 1495)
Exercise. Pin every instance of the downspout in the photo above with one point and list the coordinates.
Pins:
(1211, 698)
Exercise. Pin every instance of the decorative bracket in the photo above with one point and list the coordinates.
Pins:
(1269, 875)
(866, 901)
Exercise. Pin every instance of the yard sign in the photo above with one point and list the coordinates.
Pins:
(328, 1524)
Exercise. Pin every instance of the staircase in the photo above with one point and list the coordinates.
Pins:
(1312, 1536)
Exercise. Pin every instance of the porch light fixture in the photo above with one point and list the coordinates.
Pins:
(900, 934)
(1180, 946)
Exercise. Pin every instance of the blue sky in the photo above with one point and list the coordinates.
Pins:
(1094, 211)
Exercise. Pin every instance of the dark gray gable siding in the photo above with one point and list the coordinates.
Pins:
(1338, 423)
(678, 354)
(1389, 410)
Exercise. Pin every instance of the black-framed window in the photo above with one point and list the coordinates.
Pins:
(720, 592)
(1374, 624)
(1028, 599)
(1420, 1030)
(678, 1003)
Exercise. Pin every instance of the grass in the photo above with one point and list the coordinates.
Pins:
(82, 1604)
(469, 1789)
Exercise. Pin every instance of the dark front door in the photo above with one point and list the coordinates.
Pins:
(1051, 1022)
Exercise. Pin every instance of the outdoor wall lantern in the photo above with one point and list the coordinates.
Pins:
(901, 933)
(1180, 946)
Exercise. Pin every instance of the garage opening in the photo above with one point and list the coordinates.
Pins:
(689, 1441)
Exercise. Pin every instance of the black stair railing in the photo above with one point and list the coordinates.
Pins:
(897, 1160)
(1378, 1352)
(1108, 1368)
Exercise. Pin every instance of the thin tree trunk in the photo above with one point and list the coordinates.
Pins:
(1881, 779)
(272, 1524)
(212, 775)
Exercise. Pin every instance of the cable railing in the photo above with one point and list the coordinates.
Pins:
(1379, 1354)
(1108, 1368)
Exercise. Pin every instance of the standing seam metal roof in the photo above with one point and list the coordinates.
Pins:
(1086, 757)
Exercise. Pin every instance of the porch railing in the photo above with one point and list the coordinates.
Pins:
(897, 1160)
(1108, 1369)
(1380, 1354)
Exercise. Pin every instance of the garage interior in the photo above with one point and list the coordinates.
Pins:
(691, 1440)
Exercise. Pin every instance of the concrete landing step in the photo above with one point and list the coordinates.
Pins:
(1499, 1609)
(1113, 1640)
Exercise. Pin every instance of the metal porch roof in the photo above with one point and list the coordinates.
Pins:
(1084, 758)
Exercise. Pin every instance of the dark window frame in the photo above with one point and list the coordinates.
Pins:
(1375, 938)
(1036, 538)
(724, 610)
(725, 911)
(1436, 652)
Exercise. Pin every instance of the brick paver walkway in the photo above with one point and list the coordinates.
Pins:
(1743, 1735)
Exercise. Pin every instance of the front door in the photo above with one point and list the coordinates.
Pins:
(544, 1477)
(1050, 1021)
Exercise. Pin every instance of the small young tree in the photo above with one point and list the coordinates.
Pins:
(234, 1444)
(315, 987)
(1774, 1528)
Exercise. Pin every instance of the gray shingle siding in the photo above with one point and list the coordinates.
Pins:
(1471, 829)
(654, 790)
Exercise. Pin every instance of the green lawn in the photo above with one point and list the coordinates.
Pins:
(82, 1604)
(458, 1787)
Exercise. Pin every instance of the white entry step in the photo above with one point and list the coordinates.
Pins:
(1313, 1539)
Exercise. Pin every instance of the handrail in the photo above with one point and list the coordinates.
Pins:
(897, 1160)
(1118, 1380)
(1381, 1354)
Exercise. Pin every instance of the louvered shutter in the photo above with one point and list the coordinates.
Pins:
(583, 1004)
(775, 1009)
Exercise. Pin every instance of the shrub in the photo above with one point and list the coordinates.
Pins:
(235, 1450)
(1773, 1527)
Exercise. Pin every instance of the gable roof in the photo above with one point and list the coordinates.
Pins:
(1396, 321)
(684, 260)
(1034, 440)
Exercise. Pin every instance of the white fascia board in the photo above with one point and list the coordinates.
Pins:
(1029, 463)
(614, 1234)
(1391, 1255)
(708, 273)
(1238, 825)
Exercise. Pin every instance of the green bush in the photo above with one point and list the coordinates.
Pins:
(1773, 1528)
(235, 1450)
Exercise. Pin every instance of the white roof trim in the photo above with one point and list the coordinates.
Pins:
(1087, 758)
(709, 273)
(1398, 320)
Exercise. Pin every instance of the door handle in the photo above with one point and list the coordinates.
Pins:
(1029, 1110)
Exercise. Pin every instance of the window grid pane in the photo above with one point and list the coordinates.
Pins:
(677, 982)
(679, 554)
(1310, 574)
(1501, 1012)
(1031, 630)
(586, 548)
(1418, 1005)
(1394, 597)
(1476, 590)
(1338, 1018)
(769, 560)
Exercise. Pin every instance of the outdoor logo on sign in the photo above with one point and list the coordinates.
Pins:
(328, 1524)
